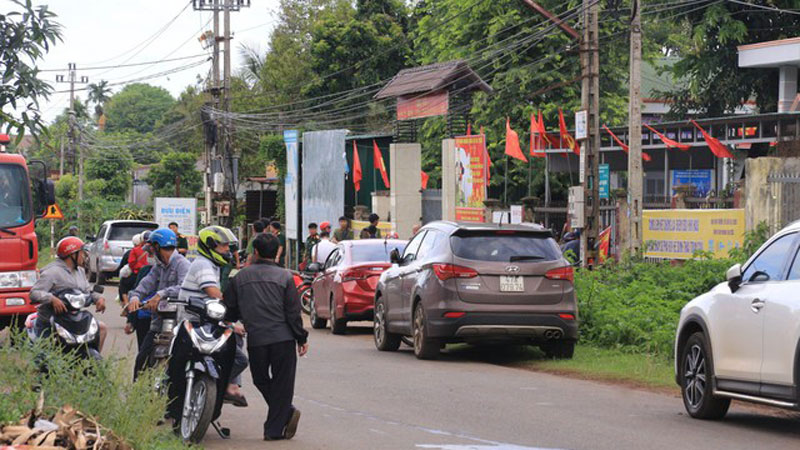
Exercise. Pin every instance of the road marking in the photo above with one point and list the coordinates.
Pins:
(479, 447)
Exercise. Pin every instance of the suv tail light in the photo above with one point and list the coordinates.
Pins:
(562, 273)
(447, 271)
(357, 273)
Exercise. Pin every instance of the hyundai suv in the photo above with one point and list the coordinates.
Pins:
(740, 339)
(109, 245)
(477, 283)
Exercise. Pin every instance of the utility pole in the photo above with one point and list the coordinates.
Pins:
(635, 200)
(590, 102)
(61, 160)
(72, 78)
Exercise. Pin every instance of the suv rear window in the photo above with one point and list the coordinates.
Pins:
(126, 232)
(504, 246)
(375, 253)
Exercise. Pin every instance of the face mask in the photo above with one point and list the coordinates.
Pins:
(151, 260)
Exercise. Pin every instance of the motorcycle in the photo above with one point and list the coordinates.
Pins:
(200, 361)
(76, 330)
(302, 281)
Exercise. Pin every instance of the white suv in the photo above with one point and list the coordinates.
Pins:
(740, 340)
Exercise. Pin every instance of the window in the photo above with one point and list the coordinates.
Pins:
(15, 201)
(794, 272)
(411, 249)
(333, 258)
(126, 231)
(769, 264)
(375, 252)
(430, 245)
(102, 233)
(505, 246)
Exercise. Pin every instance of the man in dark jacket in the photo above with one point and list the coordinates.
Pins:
(264, 298)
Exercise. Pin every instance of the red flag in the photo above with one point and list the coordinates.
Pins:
(719, 149)
(546, 138)
(424, 179)
(488, 164)
(377, 162)
(604, 244)
(357, 176)
(667, 141)
(624, 146)
(537, 141)
(512, 143)
(469, 129)
(565, 136)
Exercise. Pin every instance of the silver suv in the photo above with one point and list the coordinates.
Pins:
(110, 244)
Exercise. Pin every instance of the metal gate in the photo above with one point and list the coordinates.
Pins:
(431, 205)
(784, 190)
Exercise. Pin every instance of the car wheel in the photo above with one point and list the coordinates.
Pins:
(317, 323)
(338, 326)
(696, 371)
(384, 340)
(424, 347)
(558, 349)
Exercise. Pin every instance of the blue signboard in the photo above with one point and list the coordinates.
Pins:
(604, 175)
(701, 179)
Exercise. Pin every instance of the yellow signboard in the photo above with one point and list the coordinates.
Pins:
(679, 233)
(358, 225)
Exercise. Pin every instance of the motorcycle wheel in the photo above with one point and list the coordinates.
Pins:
(195, 420)
(305, 300)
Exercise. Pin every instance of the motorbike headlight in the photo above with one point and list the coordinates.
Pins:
(76, 301)
(215, 310)
(21, 279)
(65, 335)
(90, 335)
(165, 306)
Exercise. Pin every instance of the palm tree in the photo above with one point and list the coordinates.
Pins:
(99, 94)
(254, 61)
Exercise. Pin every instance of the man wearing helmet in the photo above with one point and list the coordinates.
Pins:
(204, 280)
(66, 272)
(165, 279)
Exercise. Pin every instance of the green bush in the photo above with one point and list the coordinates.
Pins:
(101, 389)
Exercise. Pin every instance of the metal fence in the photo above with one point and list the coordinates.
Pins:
(431, 205)
(785, 194)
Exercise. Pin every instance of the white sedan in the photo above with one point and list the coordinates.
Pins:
(740, 339)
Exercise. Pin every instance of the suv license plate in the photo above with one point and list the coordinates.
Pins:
(511, 284)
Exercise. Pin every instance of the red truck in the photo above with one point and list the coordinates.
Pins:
(25, 194)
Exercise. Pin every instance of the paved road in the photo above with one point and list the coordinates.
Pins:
(353, 396)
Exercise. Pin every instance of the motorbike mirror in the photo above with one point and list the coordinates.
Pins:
(313, 267)
(98, 289)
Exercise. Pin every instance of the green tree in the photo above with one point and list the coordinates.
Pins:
(26, 34)
(99, 94)
(708, 60)
(114, 168)
(175, 168)
(137, 107)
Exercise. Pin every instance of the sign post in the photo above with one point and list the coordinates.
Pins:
(602, 180)
(470, 177)
(182, 211)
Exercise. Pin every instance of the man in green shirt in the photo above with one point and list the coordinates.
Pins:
(258, 228)
(311, 241)
(183, 243)
(280, 258)
(374, 220)
(344, 232)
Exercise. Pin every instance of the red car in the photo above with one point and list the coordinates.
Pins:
(344, 289)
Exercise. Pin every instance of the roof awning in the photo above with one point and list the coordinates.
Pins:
(431, 78)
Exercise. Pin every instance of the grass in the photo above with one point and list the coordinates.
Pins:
(611, 365)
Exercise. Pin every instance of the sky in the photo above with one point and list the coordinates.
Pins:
(99, 33)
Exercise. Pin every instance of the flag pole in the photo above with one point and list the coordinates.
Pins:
(530, 162)
(505, 190)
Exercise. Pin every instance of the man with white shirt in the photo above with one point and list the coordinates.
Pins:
(323, 248)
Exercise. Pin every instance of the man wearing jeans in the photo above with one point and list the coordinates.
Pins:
(264, 297)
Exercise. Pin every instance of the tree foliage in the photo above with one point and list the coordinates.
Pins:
(175, 168)
(137, 107)
(26, 34)
(115, 173)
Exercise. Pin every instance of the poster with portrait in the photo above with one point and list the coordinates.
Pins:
(470, 177)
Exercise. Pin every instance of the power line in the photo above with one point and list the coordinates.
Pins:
(117, 66)
(766, 8)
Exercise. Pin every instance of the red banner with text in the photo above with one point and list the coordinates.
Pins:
(470, 177)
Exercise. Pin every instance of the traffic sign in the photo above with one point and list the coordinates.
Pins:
(53, 212)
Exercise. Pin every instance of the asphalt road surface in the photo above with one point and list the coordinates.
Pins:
(354, 397)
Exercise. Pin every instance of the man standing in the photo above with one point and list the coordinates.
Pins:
(275, 228)
(183, 243)
(323, 248)
(258, 228)
(264, 297)
(344, 232)
(311, 241)
(374, 220)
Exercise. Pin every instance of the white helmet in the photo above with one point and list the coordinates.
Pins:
(137, 240)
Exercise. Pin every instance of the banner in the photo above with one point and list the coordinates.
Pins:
(470, 178)
(418, 106)
(603, 179)
(322, 194)
(183, 211)
(290, 183)
(678, 233)
(701, 179)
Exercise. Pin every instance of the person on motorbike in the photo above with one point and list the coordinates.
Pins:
(204, 280)
(165, 279)
(66, 272)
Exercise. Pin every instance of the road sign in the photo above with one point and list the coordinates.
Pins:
(581, 117)
(603, 179)
(53, 212)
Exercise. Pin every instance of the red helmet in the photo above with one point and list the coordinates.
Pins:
(68, 246)
(324, 225)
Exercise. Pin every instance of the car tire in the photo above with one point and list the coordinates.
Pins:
(559, 349)
(317, 323)
(424, 347)
(338, 326)
(696, 372)
(384, 340)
